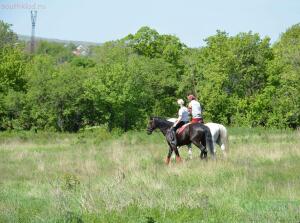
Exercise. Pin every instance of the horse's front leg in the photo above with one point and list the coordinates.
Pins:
(167, 161)
(178, 158)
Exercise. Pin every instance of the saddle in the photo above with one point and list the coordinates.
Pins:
(180, 130)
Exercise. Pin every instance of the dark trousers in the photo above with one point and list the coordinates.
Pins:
(179, 124)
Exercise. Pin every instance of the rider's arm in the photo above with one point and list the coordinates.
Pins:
(178, 120)
(190, 108)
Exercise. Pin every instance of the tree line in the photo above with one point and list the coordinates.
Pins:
(240, 80)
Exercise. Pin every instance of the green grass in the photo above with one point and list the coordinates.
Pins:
(100, 177)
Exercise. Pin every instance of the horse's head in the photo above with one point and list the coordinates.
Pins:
(160, 123)
(151, 126)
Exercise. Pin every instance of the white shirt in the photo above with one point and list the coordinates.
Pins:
(196, 109)
(184, 114)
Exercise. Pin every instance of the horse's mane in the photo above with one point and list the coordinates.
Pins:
(162, 121)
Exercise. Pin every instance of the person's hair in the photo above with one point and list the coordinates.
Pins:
(180, 102)
(191, 97)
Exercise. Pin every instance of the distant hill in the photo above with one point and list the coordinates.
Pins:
(84, 43)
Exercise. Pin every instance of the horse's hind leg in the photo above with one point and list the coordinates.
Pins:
(202, 147)
(224, 140)
(223, 149)
(221, 143)
(203, 155)
(189, 146)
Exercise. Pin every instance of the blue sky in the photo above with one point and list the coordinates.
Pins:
(190, 20)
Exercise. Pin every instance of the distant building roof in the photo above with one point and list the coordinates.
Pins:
(81, 50)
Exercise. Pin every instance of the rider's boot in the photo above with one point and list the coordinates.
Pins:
(174, 138)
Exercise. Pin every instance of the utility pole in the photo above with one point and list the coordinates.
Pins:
(33, 21)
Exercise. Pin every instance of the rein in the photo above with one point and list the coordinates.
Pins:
(162, 124)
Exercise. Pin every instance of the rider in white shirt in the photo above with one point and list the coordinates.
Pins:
(195, 109)
(183, 115)
(183, 118)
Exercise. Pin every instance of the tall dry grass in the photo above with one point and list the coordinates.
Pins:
(50, 177)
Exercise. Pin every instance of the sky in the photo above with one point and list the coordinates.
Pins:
(190, 20)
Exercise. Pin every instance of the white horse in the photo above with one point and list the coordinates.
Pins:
(219, 136)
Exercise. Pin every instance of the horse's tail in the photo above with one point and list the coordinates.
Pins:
(224, 138)
(209, 141)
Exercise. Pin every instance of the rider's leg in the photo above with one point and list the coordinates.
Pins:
(179, 124)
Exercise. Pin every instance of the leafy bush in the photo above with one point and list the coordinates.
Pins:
(240, 80)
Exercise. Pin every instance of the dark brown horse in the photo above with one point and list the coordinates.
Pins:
(195, 133)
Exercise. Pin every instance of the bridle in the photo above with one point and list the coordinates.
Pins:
(150, 128)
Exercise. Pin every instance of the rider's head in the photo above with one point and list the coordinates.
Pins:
(180, 102)
(191, 97)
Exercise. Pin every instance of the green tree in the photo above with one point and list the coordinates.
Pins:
(239, 80)
(227, 71)
(285, 76)
(61, 52)
(123, 94)
(12, 74)
(7, 36)
(148, 42)
(54, 94)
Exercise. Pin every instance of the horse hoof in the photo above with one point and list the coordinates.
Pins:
(178, 159)
(167, 161)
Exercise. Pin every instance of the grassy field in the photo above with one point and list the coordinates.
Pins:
(102, 177)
